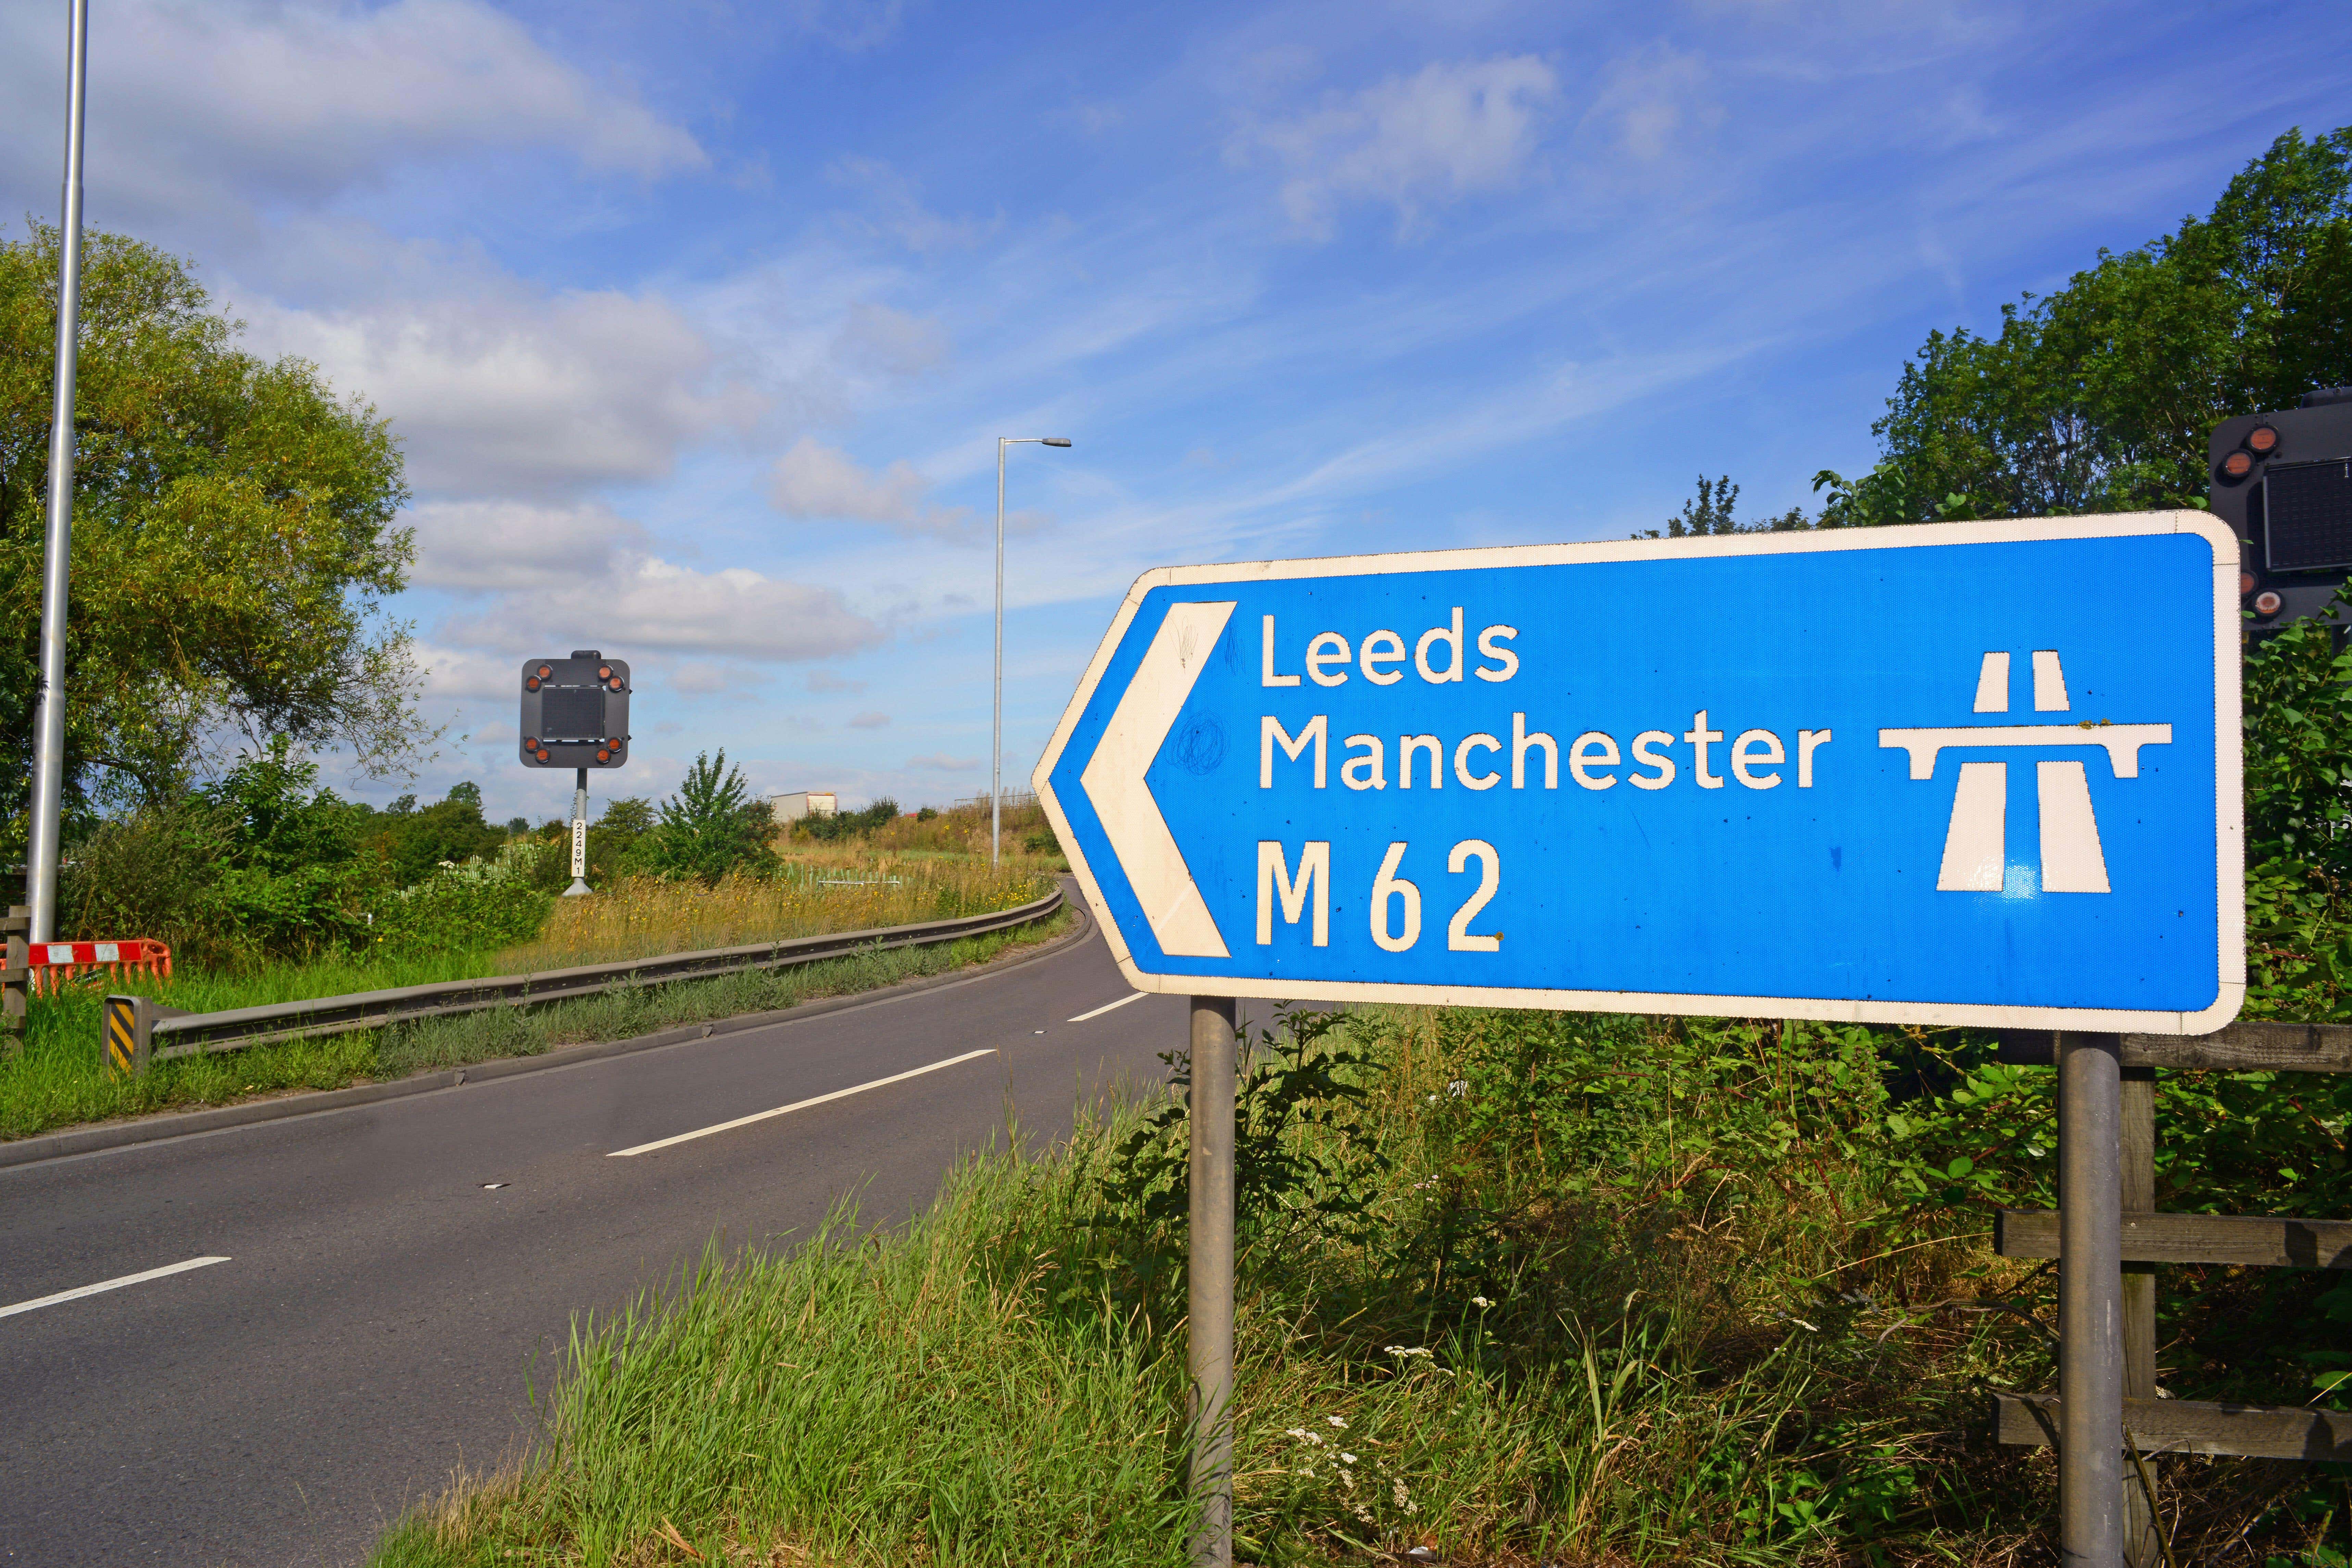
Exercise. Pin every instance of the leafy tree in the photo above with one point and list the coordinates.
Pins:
(416, 842)
(294, 877)
(2099, 397)
(622, 840)
(233, 538)
(713, 825)
(1710, 512)
(2298, 750)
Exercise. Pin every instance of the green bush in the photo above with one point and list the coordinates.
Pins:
(712, 825)
(480, 906)
(844, 825)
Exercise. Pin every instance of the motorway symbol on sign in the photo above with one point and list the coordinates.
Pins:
(1967, 773)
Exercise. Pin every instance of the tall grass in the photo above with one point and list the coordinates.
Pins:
(1518, 1289)
(641, 917)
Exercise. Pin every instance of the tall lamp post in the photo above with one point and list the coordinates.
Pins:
(996, 734)
(42, 842)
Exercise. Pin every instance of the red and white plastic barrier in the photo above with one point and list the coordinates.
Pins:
(49, 964)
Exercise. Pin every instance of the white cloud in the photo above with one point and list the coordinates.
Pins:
(699, 677)
(1649, 101)
(498, 390)
(203, 105)
(1447, 131)
(827, 681)
(897, 211)
(940, 762)
(851, 25)
(462, 674)
(495, 545)
(814, 481)
(870, 721)
(891, 340)
(650, 603)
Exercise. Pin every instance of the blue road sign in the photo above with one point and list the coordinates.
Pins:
(1967, 773)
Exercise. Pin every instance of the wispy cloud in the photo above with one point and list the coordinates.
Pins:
(1448, 130)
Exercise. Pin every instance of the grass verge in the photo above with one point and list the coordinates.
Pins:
(1519, 1289)
(57, 1081)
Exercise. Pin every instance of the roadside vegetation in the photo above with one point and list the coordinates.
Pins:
(56, 1082)
(1521, 1288)
(1517, 1288)
(271, 888)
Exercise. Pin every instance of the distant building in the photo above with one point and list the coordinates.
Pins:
(801, 803)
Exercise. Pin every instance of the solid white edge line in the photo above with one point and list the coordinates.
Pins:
(1130, 996)
(796, 1105)
(81, 1291)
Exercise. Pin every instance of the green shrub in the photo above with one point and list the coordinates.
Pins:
(479, 907)
(712, 825)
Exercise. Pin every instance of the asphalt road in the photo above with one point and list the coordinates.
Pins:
(382, 1304)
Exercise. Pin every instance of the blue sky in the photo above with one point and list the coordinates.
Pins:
(700, 321)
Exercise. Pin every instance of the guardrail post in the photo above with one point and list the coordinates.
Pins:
(1209, 1274)
(126, 1035)
(15, 973)
(2090, 1301)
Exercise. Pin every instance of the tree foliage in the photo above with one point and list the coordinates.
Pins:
(713, 825)
(1710, 512)
(2099, 397)
(233, 538)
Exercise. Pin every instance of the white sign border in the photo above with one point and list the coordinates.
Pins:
(2229, 775)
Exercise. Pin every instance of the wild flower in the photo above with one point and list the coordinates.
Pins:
(1408, 1352)
(1336, 1421)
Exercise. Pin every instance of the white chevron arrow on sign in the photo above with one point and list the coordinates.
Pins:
(1113, 781)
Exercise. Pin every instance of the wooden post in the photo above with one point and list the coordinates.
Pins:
(2143, 1547)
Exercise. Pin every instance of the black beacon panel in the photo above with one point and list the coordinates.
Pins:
(2284, 481)
(575, 712)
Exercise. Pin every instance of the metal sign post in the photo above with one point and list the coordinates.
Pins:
(2090, 1300)
(1967, 773)
(1209, 1279)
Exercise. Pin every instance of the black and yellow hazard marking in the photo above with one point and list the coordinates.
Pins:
(121, 1034)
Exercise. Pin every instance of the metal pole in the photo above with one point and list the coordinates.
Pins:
(996, 728)
(578, 837)
(1210, 1279)
(2143, 1532)
(2090, 1301)
(42, 844)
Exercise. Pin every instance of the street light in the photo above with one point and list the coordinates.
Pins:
(996, 733)
(42, 838)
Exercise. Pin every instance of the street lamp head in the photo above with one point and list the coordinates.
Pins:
(1057, 441)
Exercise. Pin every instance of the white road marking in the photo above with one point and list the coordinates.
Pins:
(1131, 996)
(796, 1105)
(76, 1294)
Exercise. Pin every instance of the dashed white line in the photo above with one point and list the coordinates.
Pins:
(1131, 996)
(796, 1105)
(78, 1292)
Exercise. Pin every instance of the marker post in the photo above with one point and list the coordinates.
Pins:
(578, 837)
